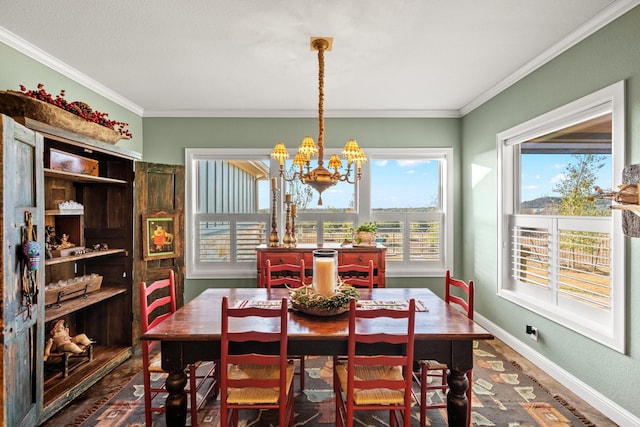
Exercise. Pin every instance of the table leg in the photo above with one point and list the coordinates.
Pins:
(176, 406)
(457, 402)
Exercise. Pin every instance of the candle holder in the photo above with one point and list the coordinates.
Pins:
(274, 239)
(287, 240)
(294, 239)
(325, 271)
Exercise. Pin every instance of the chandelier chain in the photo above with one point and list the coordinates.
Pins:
(321, 48)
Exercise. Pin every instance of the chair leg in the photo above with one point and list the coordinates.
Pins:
(469, 396)
(147, 399)
(423, 396)
(193, 395)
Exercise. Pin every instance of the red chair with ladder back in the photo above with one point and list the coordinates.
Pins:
(292, 276)
(249, 377)
(379, 382)
(356, 275)
(433, 374)
(157, 302)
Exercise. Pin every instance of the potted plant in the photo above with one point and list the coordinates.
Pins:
(365, 234)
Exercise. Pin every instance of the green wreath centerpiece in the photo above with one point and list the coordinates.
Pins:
(307, 300)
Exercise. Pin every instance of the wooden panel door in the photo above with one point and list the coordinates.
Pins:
(158, 188)
(22, 348)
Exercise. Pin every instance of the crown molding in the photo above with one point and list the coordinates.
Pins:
(606, 16)
(349, 114)
(28, 49)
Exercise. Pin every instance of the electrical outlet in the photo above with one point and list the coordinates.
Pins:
(532, 331)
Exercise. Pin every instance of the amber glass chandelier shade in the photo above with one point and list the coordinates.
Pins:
(335, 163)
(280, 153)
(353, 153)
(308, 148)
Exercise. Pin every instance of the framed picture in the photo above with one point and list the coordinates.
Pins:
(159, 234)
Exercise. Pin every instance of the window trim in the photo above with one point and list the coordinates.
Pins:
(446, 181)
(436, 269)
(191, 194)
(611, 98)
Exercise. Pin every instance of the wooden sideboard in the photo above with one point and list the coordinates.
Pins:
(346, 255)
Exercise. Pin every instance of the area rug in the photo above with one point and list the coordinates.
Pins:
(502, 396)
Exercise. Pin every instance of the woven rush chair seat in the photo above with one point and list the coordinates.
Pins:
(433, 365)
(155, 364)
(256, 395)
(379, 396)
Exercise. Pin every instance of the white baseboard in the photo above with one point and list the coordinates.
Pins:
(612, 410)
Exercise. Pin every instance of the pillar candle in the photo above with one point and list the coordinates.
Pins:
(287, 198)
(293, 209)
(325, 279)
(274, 183)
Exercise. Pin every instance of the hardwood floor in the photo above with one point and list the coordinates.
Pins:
(129, 368)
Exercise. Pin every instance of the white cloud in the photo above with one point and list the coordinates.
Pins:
(410, 163)
(558, 178)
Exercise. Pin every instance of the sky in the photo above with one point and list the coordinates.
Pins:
(397, 183)
(541, 172)
(413, 183)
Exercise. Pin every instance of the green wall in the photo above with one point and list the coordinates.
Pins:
(610, 55)
(166, 138)
(17, 69)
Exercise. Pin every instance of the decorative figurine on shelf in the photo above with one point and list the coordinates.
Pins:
(60, 341)
(50, 241)
(64, 243)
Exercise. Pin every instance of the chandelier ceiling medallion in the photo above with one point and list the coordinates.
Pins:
(321, 178)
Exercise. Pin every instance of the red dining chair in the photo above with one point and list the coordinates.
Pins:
(252, 379)
(293, 276)
(157, 302)
(376, 382)
(281, 275)
(433, 374)
(356, 275)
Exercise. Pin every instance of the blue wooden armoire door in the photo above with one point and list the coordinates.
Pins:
(22, 322)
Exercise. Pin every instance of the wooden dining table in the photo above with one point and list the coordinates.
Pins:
(192, 334)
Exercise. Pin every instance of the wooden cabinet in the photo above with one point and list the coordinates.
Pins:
(346, 255)
(101, 246)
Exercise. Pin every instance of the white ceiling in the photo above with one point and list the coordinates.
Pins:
(400, 58)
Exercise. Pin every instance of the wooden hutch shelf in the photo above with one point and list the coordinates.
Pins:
(103, 310)
(72, 258)
(73, 305)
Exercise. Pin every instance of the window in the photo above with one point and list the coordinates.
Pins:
(561, 249)
(228, 211)
(410, 203)
(229, 204)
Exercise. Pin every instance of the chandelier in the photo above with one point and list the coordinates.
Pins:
(321, 178)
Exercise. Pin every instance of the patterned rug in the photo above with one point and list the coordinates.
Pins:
(502, 396)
